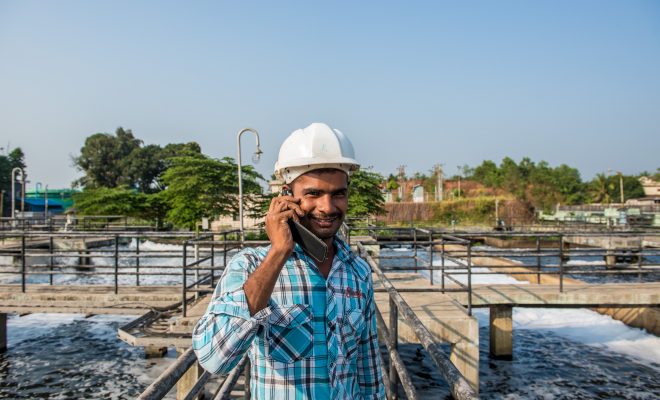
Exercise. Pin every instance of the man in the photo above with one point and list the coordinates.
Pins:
(308, 327)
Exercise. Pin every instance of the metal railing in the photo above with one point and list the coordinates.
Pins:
(457, 253)
(114, 259)
(203, 266)
(53, 223)
(398, 373)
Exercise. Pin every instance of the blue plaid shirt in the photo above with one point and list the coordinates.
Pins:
(316, 339)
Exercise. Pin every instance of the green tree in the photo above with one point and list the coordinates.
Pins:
(120, 200)
(632, 187)
(199, 186)
(600, 189)
(115, 160)
(488, 174)
(103, 159)
(364, 195)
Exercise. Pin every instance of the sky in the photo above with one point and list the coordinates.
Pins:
(410, 83)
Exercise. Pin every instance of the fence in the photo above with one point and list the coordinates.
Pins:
(450, 259)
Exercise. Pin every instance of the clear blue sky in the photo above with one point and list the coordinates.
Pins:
(413, 83)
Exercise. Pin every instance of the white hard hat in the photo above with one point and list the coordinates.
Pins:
(315, 147)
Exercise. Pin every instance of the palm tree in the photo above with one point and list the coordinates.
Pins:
(600, 189)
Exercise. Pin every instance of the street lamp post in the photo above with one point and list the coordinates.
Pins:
(255, 158)
(620, 184)
(13, 190)
(459, 181)
(46, 203)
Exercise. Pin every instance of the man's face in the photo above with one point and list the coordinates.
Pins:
(324, 198)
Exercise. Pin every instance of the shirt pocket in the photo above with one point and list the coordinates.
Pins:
(350, 329)
(290, 334)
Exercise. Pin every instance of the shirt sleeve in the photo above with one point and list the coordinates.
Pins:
(226, 331)
(370, 376)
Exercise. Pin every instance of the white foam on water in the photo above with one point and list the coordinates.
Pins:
(585, 262)
(587, 327)
(35, 325)
(591, 328)
(477, 279)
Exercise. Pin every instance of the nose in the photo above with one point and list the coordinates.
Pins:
(325, 204)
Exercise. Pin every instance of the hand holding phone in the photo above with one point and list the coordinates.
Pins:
(309, 242)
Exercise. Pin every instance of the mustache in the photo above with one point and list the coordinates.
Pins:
(325, 216)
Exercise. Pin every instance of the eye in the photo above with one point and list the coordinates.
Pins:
(339, 195)
(313, 193)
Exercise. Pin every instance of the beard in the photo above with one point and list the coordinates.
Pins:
(324, 226)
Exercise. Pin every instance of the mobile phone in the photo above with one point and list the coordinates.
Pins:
(309, 242)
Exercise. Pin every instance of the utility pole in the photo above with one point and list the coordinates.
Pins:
(402, 176)
(620, 184)
(459, 181)
(439, 193)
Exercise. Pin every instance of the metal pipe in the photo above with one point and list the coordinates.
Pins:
(225, 390)
(561, 263)
(198, 386)
(469, 277)
(538, 260)
(395, 359)
(116, 264)
(184, 306)
(246, 384)
(23, 272)
(52, 260)
(431, 248)
(257, 153)
(137, 261)
(212, 263)
(442, 260)
(166, 381)
(394, 344)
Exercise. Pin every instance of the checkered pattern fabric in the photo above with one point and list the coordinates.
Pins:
(316, 339)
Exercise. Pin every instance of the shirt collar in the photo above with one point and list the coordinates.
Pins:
(344, 254)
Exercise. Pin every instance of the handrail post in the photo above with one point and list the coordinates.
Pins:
(561, 263)
(196, 274)
(23, 261)
(116, 264)
(183, 279)
(538, 259)
(212, 260)
(224, 252)
(52, 259)
(414, 232)
(137, 261)
(394, 343)
(442, 262)
(469, 268)
(247, 395)
(639, 260)
(431, 257)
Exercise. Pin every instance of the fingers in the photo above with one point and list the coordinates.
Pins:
(290, 214)
(283, 203)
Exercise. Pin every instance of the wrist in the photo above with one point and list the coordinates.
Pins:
(279, 254)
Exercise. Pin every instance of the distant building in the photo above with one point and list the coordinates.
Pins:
(651, 187)
(56, 200)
